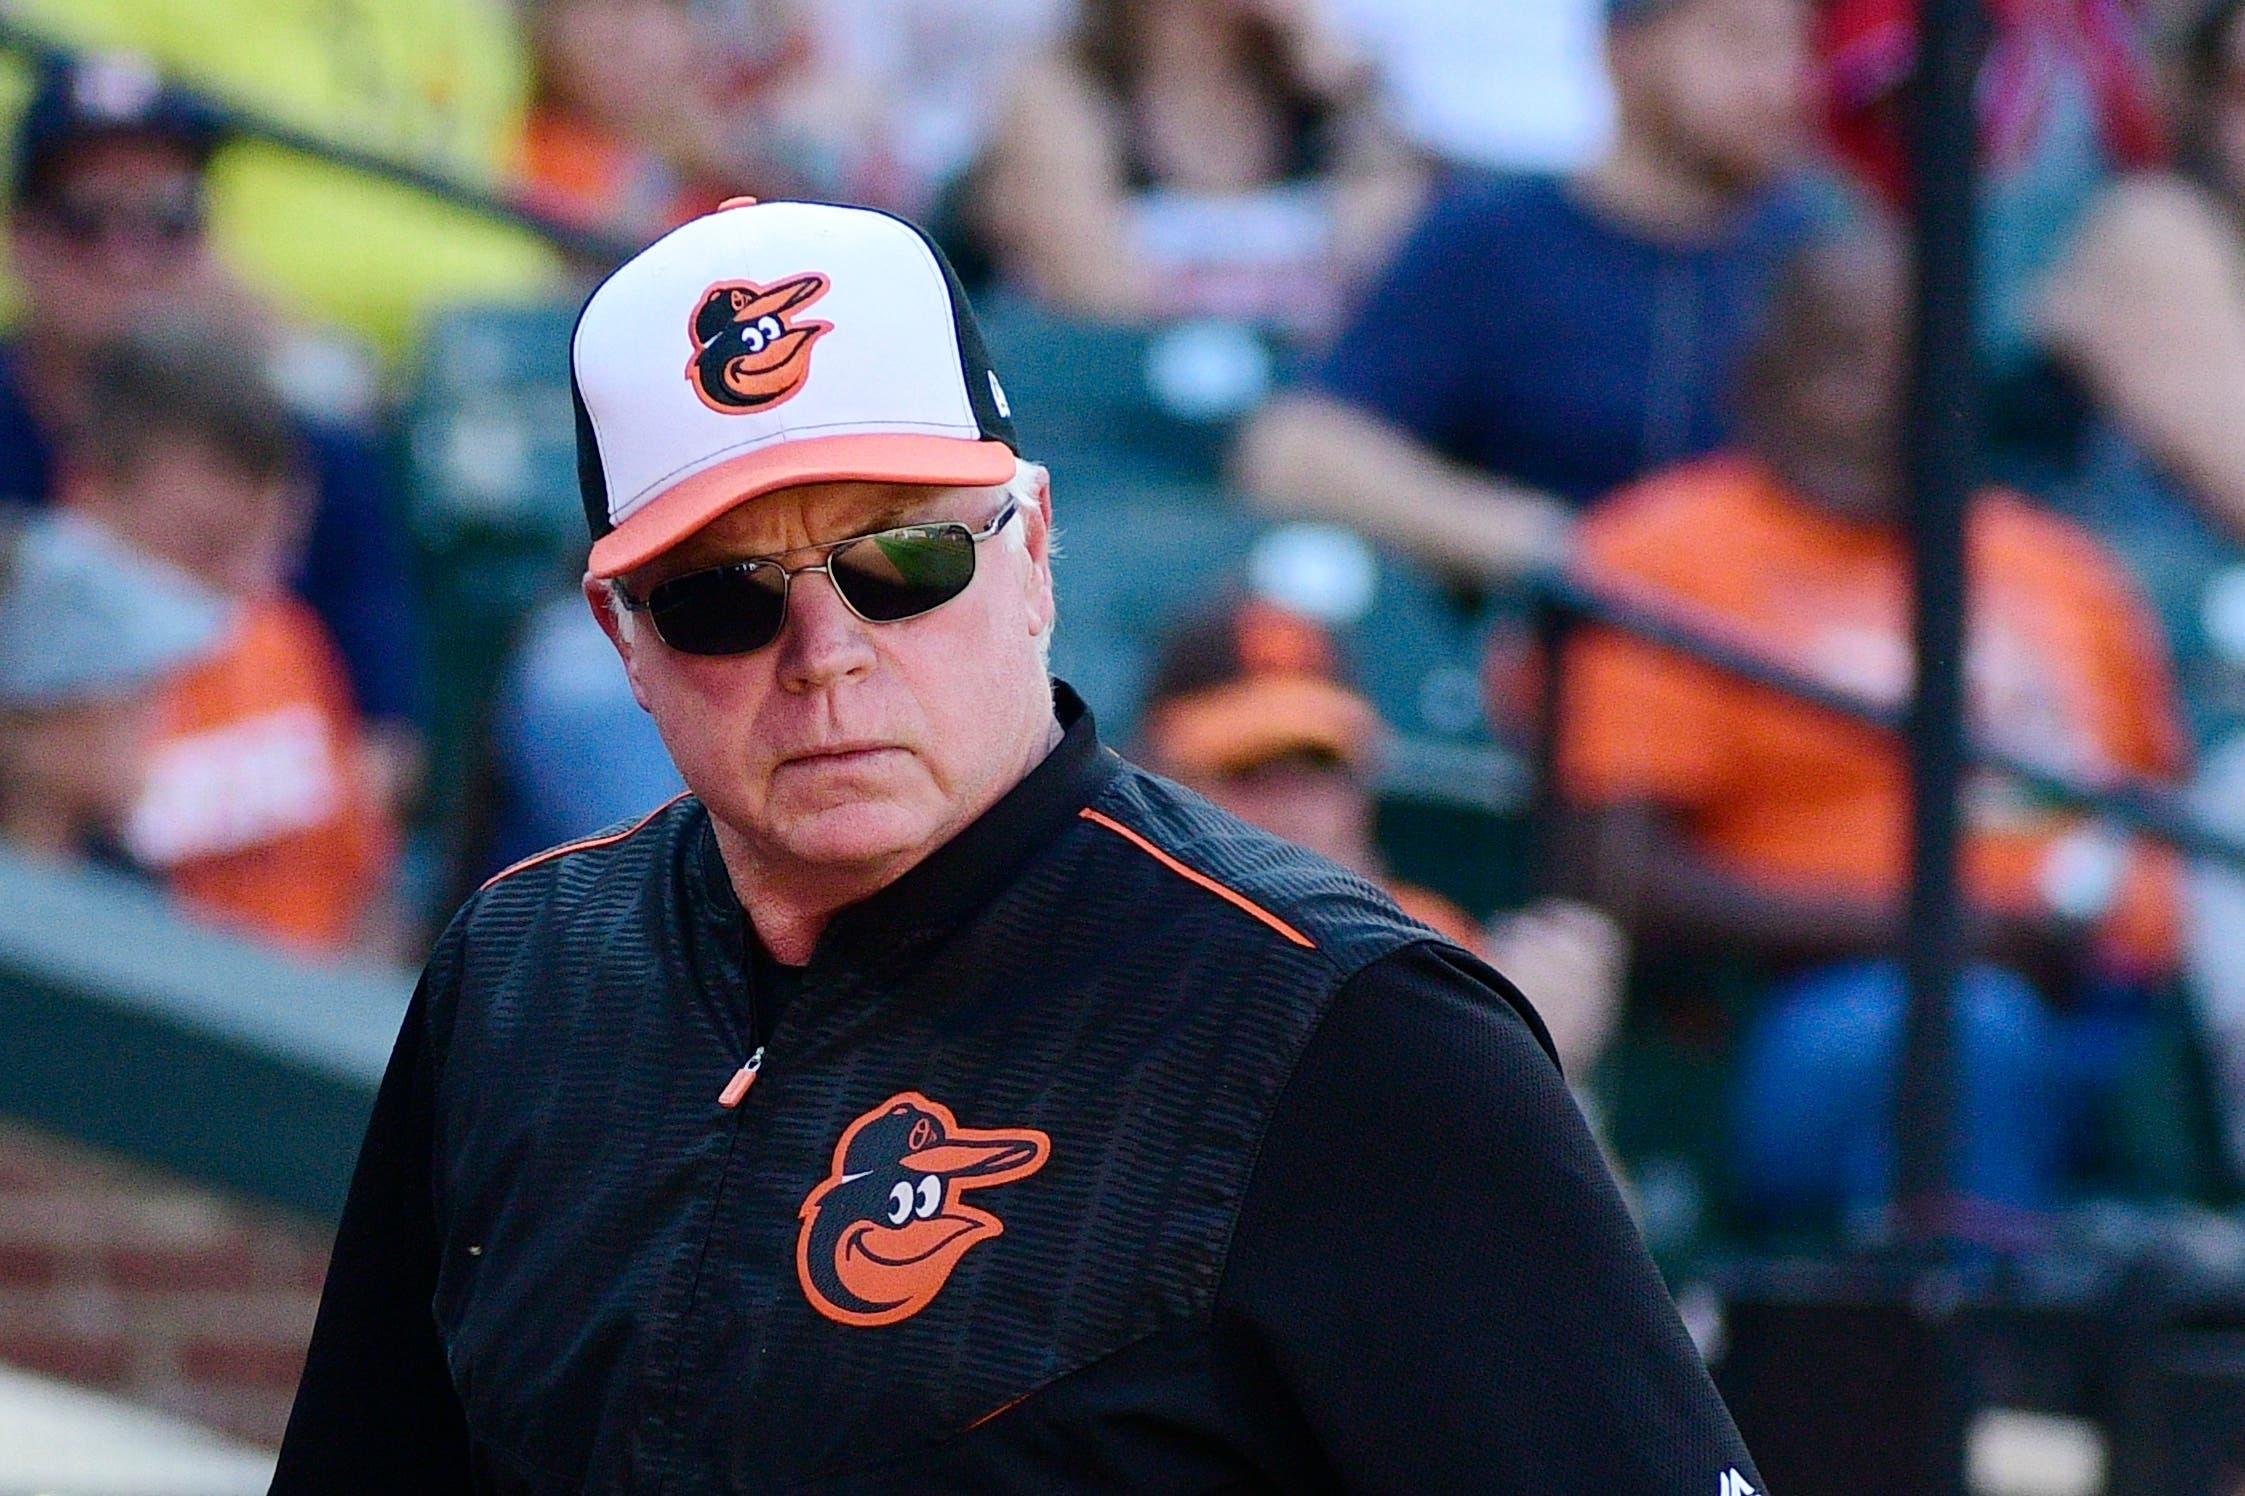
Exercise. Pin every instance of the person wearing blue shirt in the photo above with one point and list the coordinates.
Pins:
(1539, 341)
(106, 227)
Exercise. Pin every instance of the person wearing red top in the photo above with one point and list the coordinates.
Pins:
(1721, 815)
(259, 804)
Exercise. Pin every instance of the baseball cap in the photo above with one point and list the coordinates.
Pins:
(83, 616)
(772, 344)
(1251, 682)
(109, 93)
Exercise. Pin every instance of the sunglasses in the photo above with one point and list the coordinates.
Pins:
(171, 221)
(884, 577)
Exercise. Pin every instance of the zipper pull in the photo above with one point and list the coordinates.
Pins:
(743, 1078)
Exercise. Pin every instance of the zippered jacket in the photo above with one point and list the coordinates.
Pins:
(1117, 1145)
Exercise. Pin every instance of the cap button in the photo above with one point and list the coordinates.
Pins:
(736, 202)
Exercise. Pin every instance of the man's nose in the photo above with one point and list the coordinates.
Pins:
(823, 642)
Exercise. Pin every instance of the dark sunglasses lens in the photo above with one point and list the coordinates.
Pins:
(726, 611)
(169, 222)
(904, 573)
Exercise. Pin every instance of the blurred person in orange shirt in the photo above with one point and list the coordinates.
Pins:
(89, 633)
(1249, 708)
(1718, 815)
(260, 805)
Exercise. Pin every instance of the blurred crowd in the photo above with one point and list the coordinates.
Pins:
(1617, 289)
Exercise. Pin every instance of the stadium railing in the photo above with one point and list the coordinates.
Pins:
(139, 1031)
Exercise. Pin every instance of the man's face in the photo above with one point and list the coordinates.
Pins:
(1724, 85)
(118, 237)
(845, 748)
(185, 503)
(1828, 407)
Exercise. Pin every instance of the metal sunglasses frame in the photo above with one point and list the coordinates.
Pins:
(834, 550)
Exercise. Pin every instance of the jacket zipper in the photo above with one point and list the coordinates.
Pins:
(736, 1089)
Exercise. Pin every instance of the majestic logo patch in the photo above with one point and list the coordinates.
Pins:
(748, 353)
(883, 1231)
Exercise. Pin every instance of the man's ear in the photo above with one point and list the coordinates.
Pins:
(1036, 522)
(621, 632)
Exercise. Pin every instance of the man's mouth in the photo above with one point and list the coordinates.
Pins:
(840, 755)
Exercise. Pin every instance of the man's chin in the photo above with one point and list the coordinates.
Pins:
(865, 833)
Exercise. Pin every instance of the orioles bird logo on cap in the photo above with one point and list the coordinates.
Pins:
(882, 1232)
(748, 355)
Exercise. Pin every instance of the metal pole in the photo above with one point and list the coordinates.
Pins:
(1942, 447)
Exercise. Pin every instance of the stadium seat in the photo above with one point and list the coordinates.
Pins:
(1128, 570)
(492, 508)
(1111, 407)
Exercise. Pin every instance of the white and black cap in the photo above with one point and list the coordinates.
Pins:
(772, 344)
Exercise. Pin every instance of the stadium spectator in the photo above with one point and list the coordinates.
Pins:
(89, 631)
(1512, 85)
(2148, 312)
(1541, 340)
(1717, 816)
(1248, 707)
(636, 125)
(2067, 99)
(440, 85)
(107, 229)
(1195, 158)
(891, 101)
(2167, 355)
(261, 806)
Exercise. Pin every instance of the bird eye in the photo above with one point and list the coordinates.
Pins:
(769, 326)
(752, 336)
(931, 1195)
(900, 1204)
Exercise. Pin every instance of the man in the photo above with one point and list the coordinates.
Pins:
(1075, 1135)
(1249, 707)
(107, 230)
(1714, 815)
(260, 806)
(1541, 340)
(440, 84)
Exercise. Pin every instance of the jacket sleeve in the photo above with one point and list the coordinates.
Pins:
(1434, 1261)
(376, 1410)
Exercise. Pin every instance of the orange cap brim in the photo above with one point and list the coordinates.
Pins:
(1253, 720)
(683, 508)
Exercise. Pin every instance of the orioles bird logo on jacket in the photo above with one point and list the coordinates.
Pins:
(882, 1232)
(748, 352)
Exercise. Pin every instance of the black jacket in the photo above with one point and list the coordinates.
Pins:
(1117, 1146)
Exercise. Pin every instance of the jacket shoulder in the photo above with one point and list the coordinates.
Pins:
(576, 875)
(1282, 896)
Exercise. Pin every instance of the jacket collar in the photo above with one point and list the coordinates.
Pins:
(942, 890)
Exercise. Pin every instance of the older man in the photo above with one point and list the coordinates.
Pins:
(931, 1100)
